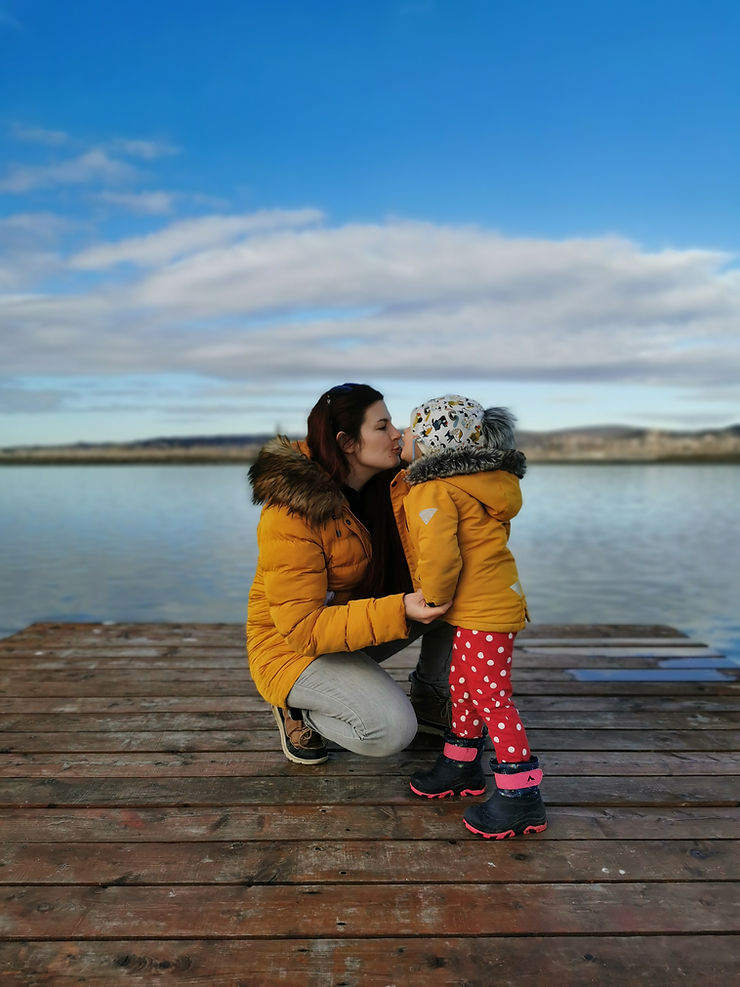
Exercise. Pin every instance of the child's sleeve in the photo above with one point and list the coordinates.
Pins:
(432, 517)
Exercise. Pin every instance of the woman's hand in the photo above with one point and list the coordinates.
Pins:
(417, 609)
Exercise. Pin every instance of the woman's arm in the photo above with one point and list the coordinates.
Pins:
(296, 584)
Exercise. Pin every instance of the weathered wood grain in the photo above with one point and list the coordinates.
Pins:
(318, 861)
(250, 764)
(690, 719)
(237, 683)
(238, 704)
(325, 786)
(151, 829)
(266, 740)
(287, 911)
(268, 823)
(575, 961)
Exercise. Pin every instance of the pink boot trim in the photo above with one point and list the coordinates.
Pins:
(460, 753)
(450, 792)
(522, 779)
(505, 834)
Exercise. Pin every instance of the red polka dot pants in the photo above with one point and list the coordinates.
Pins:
(480, 690)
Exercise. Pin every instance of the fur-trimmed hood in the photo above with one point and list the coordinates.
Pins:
(464, 462)
(284, 475)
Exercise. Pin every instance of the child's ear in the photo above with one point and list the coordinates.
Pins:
(346, 443)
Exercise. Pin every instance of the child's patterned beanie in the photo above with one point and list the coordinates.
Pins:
(453, 423)
(447, 423)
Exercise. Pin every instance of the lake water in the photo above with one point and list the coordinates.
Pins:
(618, 544)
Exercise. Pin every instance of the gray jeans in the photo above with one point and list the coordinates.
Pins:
(349, 699)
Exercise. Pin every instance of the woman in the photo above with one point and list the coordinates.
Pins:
(332, 597)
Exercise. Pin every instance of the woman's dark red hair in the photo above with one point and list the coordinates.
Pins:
(340, 409)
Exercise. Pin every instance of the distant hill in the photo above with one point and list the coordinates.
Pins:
(616, 443)
(198, 448)
(598, 444)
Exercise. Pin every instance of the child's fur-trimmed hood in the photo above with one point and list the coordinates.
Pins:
(283, 475)
(463, 462)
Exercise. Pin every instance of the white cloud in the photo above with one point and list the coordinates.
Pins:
(93, 166)
(148, 150)
(25, 228)
(186, 237)
(26, 256)
(145, 203)
(275, 295)
(39, 135)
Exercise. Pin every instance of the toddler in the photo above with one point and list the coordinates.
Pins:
(454, 506)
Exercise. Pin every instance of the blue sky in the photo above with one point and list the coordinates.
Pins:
(209, 212)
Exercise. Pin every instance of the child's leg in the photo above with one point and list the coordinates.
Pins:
(483, 671)
(457, 770)
(480, 689)
(467, 720)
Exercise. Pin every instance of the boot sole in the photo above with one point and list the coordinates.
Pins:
(310, 761)
(449, 793)
(506, 834)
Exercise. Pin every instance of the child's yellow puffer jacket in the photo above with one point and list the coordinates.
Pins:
(453, 511)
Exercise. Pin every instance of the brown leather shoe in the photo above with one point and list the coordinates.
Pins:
(300, 743)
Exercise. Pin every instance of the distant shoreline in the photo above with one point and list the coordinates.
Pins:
(598, 445)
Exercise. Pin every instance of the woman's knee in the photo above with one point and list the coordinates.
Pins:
(379, 726)
(390, 734)
(349, 699)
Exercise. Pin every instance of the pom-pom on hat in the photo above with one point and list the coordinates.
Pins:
(453, 422)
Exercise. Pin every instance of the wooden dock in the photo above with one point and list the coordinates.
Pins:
(152, 831)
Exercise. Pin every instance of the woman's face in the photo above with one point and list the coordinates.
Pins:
(378, 445)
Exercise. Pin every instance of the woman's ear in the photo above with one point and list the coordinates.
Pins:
(346, 443)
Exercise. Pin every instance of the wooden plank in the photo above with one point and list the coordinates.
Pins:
(436, 820)
(244, 739)
(574, 689)
(220, 647)
(223, 651)
(286, 911)
(509, 961)
(318, 861)
(636, 650)
(240, 704)
(112, 630)
(136, 633)
(249, 764)
(131, 780)
(200, 667)
(626, 704)
(247, 720)
(567, 686)
(650, 675)
(326, 787)
(216, 647)
(526, 685)
(206, 683)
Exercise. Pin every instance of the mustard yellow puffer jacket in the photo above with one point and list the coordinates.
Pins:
(454, 511)
(313, 552)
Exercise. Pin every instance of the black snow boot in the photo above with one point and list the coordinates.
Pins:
(516, 807)
(457, 770)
